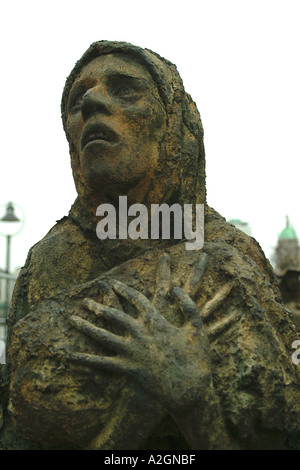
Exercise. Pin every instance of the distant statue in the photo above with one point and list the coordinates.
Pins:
(125, 343)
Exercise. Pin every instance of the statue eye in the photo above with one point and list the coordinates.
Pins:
(75, 98)
(76, 103)
(123, 89)
(124, 86)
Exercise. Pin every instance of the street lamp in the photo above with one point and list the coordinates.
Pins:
(10, 225)
(11, 228)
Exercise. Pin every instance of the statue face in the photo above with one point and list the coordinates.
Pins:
(116, 122)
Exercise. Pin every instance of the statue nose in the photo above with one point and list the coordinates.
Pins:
(95, 102)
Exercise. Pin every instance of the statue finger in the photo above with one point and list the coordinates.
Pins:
(216, 301)
(163, 279)
(103, 337)
(109, 296)
(114, 315)
(114, 364)
(187, 306)
(193, 283)
(134, 297)
(219, 327)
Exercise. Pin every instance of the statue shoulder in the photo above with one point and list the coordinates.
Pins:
(218, 231)
(50, 264)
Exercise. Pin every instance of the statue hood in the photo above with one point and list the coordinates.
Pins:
(180, 176)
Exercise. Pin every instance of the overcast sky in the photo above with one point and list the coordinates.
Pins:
(238, 59)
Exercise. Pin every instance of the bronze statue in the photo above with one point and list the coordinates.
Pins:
(139, 343)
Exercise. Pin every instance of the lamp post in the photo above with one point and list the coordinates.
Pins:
(10, 225)
(9, 217)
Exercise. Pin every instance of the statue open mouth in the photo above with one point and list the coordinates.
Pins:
(98, 132)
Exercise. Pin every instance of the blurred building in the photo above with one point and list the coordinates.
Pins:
(286, 263)
(287, 267)
(287, 253)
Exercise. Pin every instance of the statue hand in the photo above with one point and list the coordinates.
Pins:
(170, 363)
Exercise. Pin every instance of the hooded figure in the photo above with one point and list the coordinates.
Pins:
(140, 343)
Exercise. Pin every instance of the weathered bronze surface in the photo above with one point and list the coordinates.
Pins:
(141, 344)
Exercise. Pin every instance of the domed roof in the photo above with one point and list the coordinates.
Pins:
(288, 232)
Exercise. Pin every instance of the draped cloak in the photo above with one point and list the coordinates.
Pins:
(48, 403)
